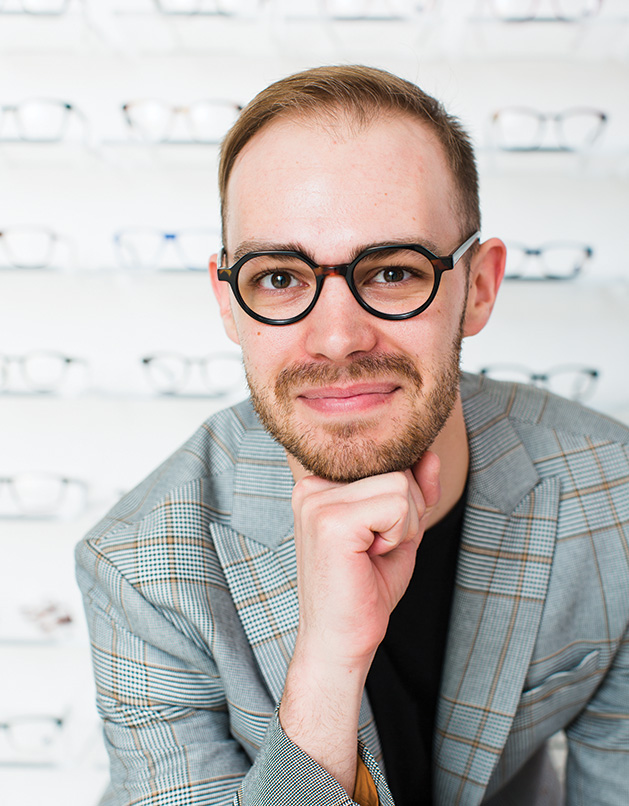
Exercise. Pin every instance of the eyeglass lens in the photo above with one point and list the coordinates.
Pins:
(392, 281)
(28, 248)
(41, 120)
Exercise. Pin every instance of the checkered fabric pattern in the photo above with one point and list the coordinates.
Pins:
(190, 591)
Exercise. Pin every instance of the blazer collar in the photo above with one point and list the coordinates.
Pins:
(503, 571)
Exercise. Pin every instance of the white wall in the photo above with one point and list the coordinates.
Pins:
(111, 430)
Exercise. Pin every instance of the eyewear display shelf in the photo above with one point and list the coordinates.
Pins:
(100, 425)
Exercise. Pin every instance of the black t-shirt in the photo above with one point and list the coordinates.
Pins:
(404, 679)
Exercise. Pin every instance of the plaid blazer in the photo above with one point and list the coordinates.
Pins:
(190, 592)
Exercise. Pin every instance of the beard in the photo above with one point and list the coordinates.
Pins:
(348, 451)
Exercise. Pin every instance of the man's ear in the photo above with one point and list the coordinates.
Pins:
(223, 294)
(486, 273)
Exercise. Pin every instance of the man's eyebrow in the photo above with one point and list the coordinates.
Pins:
(255, 245)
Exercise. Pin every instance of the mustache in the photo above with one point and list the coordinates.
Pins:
(371, 366)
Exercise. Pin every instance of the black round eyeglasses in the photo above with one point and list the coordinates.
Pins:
(391, 282)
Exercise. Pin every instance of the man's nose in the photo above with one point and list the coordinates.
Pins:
(338, 327)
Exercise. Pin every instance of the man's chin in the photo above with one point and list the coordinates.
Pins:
(343, 456)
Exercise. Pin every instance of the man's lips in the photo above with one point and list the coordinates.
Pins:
(357, 399)
(355, 390)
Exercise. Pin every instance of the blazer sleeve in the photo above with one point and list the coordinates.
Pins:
(597, 768)
(166, 716)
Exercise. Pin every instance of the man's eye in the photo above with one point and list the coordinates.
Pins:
(392, 274)
(277, 281)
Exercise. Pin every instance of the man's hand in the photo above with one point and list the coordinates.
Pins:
(356, 546)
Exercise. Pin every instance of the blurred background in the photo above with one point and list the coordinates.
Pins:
(111, 350)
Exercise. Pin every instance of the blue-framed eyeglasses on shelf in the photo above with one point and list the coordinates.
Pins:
(149, 249)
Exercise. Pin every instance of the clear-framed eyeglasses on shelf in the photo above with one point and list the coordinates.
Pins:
(203, 122)
(519, 128)
(148, 249)
(41, 120)
(219, 374)
(33, 739)
(543, 10)
(376, 10)
(190, 8)
(573, 381)
(38, 8)
(555, 260)
(26, 246)
(41, 495)
(42, 372)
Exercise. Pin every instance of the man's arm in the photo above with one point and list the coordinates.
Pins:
(356, 547)
(179, 722)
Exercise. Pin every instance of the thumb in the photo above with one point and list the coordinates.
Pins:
(426, 473)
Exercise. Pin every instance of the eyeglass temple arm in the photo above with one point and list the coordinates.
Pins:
(458, 254)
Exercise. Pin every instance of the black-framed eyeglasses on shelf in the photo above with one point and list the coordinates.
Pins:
(204, 122)
(519, 128)
(394, 281)
(31, 247)
(149, 249)
(38, 372)
(41, 495)
(33, 736)
(544, 10)
(573, 381)
(555, 260)
(38, 120)
(219, 374)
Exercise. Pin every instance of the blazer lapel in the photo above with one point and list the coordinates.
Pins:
(504, 565)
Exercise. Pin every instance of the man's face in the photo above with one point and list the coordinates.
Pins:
(346, 393)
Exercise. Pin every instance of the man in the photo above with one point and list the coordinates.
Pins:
(274, 612)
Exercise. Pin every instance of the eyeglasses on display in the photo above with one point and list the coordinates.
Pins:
(144, 248)
(187, 8)
(204, 121)
(169, 373)
(32, 735)
(39, 372)
(28, 247)
(544, 10)
(40, 120)
(394, 281)
(572, 381)
(41, 8)
(373, 9)
(36, 495)
(522, 129)
(556, 260)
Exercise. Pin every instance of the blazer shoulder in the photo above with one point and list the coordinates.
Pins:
(199, 473)
(535, 411)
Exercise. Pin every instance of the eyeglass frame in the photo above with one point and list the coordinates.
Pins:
(440, 264)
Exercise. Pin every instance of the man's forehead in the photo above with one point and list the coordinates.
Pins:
(304, 157)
